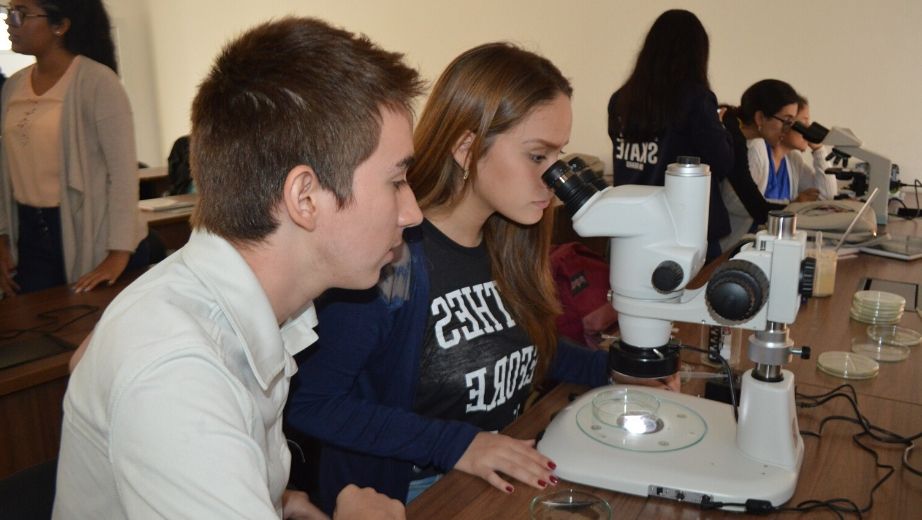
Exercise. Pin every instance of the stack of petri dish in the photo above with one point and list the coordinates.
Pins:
(877, 307)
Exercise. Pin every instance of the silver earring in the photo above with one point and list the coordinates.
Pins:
(466, 175)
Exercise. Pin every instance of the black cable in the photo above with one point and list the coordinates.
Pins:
(839, 505)
(877, 433)
(918, 209)
(51, 321)
(727, 370)
(916, 184)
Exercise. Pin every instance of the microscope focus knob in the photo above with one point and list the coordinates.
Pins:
(667, 276)
(736, 292)
(807, 276)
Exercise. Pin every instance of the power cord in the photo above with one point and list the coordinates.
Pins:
(52, 321)
(840, 506)
(907, 212)
(727, 370)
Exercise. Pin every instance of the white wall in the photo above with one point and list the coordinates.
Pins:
(134, 46)
(858, 62)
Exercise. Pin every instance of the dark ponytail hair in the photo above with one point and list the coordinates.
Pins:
(767, 96)
(90, 32)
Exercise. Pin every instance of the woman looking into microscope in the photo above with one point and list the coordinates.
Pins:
(808, 180)
(761, 128)
(409, 380)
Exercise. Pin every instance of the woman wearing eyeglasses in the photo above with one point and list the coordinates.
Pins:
(809, 178)
(767, 110)
(68, 181)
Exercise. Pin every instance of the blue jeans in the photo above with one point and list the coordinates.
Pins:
(41, 252)
(418, 486)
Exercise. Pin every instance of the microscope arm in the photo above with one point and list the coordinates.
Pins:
(769, 278)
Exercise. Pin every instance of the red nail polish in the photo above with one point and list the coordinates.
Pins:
(542, 483)
(509, 489)
(551, 465)
(554, 480)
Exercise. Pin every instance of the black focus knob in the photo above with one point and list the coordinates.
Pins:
(736, 291)
(807, 276)
(667, 276)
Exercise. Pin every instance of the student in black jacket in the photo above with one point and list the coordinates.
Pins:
(666, 109)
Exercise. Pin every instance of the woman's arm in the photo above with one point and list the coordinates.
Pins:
(577, 364)
(827, 184)
(364, 352)
(8, 287)
(115, 131)
(340, 385)
(581, 365)
(710, 136)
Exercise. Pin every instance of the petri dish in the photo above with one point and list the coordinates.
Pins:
(895, 335)
(569, 503)
(847, 365)
(881, 300)
(630, 410)
(879, 350)
(874, 319)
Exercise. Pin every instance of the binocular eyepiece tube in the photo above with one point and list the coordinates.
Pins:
(574, 183)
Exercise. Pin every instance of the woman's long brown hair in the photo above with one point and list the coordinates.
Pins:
(487, 91)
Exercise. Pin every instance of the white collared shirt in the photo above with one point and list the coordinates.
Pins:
(175, 410)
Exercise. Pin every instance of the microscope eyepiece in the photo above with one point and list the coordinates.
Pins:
(569, 187)
(815, 133)
(579, 167)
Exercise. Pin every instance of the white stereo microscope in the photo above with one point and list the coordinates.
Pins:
(650, 442)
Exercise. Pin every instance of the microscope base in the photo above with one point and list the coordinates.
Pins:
(694, 456)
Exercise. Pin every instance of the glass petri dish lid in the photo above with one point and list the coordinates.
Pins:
(847, 365)
(895, 335)
(569, 503)
(879, 350)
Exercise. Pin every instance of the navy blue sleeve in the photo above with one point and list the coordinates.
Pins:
(709, 137)
(578, 364)
(355, 388)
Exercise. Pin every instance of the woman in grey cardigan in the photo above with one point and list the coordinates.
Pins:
(68, 182)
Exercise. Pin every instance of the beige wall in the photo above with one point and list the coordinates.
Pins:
(859, 62)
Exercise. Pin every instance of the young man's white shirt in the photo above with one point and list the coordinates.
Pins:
(175, 410)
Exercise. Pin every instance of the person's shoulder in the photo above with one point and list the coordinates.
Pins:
(13, 81)
(696, 93)
(19, 74)
(91, 72)
(757, 143)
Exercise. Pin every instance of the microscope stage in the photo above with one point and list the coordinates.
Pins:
(694, 453)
